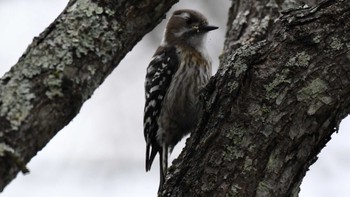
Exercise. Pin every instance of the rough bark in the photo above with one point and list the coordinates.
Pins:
(62, 68)
(280, 92)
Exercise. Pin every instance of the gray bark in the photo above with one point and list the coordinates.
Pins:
(280, 92)
(61, 69)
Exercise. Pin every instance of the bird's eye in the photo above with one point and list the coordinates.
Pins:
(195, 27)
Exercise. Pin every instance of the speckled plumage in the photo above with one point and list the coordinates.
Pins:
(179, 69)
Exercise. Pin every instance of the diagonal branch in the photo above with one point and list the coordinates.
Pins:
(61, 69)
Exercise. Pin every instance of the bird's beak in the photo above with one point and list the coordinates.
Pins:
(207, 28)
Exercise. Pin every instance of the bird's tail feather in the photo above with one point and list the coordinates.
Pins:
(150, 156)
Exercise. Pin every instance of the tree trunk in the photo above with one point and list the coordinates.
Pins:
(60, 70)
(280, 92)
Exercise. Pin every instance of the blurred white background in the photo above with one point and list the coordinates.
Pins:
(101, 152)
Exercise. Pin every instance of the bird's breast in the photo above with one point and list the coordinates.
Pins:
(182, 97)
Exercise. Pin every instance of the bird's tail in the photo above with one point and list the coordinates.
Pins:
(151, 153)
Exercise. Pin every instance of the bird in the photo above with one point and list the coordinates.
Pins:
(178, 70)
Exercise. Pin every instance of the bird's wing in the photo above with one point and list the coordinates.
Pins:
(160, 72)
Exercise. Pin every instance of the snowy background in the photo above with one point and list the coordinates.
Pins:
(101, 152)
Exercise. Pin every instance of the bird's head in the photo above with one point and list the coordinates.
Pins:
(187, 27)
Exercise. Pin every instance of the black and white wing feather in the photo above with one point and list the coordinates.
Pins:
(160, 72)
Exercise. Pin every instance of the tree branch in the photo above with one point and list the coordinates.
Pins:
(280, 92)
(61, 69)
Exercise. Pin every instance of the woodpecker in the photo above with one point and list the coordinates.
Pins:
(178, 70)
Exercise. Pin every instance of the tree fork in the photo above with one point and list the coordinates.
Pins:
(280, 92)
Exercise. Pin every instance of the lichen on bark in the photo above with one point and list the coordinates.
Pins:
(61, 69)
(273, 104)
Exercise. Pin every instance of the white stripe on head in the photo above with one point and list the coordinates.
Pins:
(163, 42)
(184, 15)
(181, 32)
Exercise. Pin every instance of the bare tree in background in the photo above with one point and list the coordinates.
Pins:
(280, 92)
